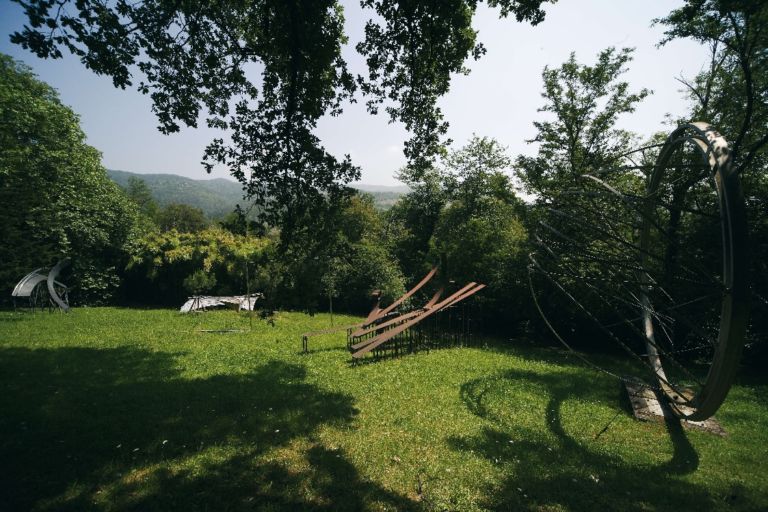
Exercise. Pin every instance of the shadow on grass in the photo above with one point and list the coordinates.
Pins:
(85, 429)
(578, 475)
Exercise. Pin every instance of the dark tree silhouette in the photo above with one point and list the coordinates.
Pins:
(192, 59)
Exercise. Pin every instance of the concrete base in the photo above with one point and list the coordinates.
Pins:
(646, 407)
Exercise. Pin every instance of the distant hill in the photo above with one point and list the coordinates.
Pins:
(217, 197)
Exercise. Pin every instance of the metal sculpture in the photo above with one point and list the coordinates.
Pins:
(373, 316)
(732, 282)
(377, 313)
(41, 288)
(386, 330)
(28, 288)
(659, 269)
(57, 291)
(375, 335)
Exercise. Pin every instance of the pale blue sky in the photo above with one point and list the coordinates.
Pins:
(499, 98)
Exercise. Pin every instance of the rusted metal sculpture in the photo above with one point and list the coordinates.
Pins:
(380, 329)
(42, 289)
(662, 271)
(386, 330)
(375, 314)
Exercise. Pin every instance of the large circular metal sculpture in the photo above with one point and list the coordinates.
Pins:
(728, 284)
(651, 254)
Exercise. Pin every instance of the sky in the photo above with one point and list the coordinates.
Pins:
(499, 98)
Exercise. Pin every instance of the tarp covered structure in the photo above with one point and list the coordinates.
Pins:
(203, 302)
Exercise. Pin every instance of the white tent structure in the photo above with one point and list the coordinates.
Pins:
(238, 302)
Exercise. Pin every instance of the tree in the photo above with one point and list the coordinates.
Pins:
(411, 223)
(463, 214)
(586, 102)
(477, 171)
(239, 222)
(411, 51)
(363, 261)
(732, 92)
(369, 266)
(193, 58)
(480, 234)
(486, 242)
(139, 192)
(341, 255)
(182, 218)
(470, 174)
(331, 281)
(573, 225)
(55, 197)
(198, 282)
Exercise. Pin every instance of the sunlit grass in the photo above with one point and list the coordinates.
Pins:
(113, 409)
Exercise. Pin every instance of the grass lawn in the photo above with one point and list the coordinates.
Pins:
(117, 409)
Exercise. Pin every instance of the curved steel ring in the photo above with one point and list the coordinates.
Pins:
(735, 304)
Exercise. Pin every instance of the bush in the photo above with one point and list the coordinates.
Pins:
(165, 267)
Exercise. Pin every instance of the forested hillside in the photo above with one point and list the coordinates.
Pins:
(217, 197)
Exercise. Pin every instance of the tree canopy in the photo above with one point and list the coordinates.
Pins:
(733, 92)
(181, 217)
(463, 214)
(192, 59)
(139, 192)
(585, 102)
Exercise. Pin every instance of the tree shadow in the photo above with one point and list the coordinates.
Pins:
(577, 475)
(86, 429)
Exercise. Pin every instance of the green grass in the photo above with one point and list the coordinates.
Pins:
(112, 409)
